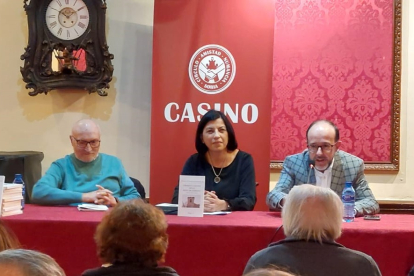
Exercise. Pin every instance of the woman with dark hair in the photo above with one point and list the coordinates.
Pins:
(131, 240)
(229, 172)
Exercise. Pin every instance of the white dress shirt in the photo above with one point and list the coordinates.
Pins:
(323, 179)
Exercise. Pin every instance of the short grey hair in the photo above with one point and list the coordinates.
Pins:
(312, 212)
(268, 271)
(31, 263)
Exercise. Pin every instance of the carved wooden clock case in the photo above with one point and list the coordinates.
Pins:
(67, 46)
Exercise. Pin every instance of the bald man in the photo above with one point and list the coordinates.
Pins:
(323, 164)
(86, 175)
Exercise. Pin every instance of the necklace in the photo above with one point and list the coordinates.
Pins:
(217, 179)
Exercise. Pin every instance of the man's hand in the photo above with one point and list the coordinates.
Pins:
(281, 203)
(104, 197)
(89, 197)
(101, 196)
(212, 203)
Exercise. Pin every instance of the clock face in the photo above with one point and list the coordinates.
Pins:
(67, 19)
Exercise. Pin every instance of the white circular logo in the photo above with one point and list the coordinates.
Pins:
(212, 69)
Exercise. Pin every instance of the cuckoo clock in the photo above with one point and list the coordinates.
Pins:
(67, 46)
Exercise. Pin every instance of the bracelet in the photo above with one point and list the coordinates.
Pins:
(228, 206)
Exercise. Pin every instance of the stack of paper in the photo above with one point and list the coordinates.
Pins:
(92, 207)
(11, 199)
(168, 208)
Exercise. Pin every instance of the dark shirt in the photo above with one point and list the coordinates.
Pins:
(237, 185)
(411, 273)
(128, 269)
(311, 258)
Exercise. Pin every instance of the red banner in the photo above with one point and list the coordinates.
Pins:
(210, 55)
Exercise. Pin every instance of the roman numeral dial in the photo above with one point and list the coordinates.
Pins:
(67, 19)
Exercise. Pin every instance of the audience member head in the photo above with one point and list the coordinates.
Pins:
(312, 212)
(323, 141)
(133, 232)
(7, 238)
(270, 271)
(86, 140)
(205, 133)
(22, 262)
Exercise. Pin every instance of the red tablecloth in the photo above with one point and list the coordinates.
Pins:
(212, 245)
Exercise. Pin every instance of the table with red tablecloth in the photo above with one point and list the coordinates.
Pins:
(211, 245)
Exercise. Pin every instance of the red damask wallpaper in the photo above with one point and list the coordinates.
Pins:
(333, 60)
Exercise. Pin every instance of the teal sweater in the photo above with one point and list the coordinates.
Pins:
(67, 178)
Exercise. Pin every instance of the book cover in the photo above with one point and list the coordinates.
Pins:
(191, 195)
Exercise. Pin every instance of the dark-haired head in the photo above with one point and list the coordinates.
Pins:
(324, 121)
(213, 115)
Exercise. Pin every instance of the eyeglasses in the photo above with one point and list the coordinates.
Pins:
(326, 148)
(83, 144)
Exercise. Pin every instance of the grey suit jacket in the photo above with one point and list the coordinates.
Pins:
(346, 167)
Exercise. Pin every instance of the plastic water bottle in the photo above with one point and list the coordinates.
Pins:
(18, 179)
(348, 199)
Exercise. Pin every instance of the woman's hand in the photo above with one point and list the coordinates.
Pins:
(212, 203)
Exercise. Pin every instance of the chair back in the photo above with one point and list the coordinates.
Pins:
(140, 188)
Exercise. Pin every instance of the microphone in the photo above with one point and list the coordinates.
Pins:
(274, 235)
(311, 167)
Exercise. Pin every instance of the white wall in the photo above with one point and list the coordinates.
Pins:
(43, 123)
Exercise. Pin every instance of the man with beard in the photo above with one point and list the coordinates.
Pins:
(322, 164)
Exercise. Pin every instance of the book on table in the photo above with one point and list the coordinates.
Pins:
(11, 196)
(12, 212)
(12, 186)
(12, 192)
(92, 207)
(12, 208)
(12, 203)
